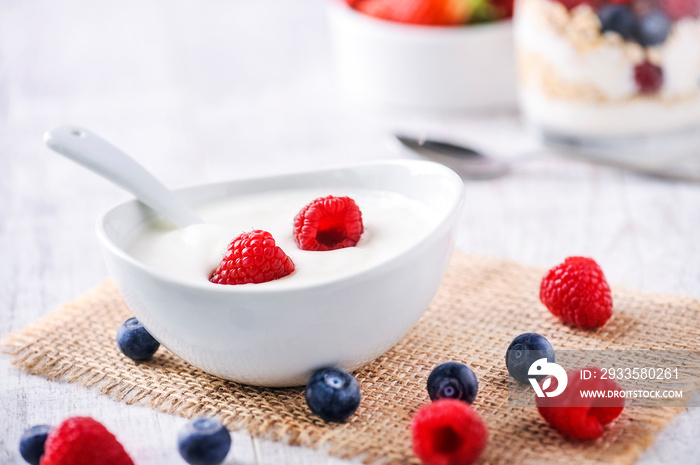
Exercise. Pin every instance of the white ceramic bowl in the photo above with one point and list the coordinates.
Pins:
(277, 337)
(388, 64)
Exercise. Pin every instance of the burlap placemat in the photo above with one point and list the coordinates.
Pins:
(482, 304)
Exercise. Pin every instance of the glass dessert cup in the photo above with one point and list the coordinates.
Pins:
(610, 75)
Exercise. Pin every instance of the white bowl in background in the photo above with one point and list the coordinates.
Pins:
(278, 336)
(383, 63)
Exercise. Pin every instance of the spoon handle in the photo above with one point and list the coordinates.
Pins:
(101, 157)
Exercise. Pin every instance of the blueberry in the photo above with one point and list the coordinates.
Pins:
(453, 380)
(135, 341)
(31, 444)
(524, 351)
(204, 441)
(652, 28)
(332, 394)
(619, 18)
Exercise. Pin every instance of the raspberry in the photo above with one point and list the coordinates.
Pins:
(328, 223)
(648, 77)
(678, 9)
(448, 432)
(83, 441)
(576, 291)
(504, 8)
(571, 4)
(578, 417)
(252, 257)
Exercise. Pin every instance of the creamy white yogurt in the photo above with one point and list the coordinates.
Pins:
(393, 223)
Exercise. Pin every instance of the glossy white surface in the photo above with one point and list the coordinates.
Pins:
(149, 75)
(276, 335)
(382, 63)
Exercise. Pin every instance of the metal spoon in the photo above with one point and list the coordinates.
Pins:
(472, 164)
(101, 157)
(469, 163)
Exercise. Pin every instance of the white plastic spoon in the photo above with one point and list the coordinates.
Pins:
(101, 157)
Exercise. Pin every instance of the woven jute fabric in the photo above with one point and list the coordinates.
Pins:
(482, 304)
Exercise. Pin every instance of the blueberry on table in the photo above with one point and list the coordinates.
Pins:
(204, 441)
(31, 444)
(453, 380)
(332, 394)
(652, 29)
(135, 341)
(525, 350)
(617, 17)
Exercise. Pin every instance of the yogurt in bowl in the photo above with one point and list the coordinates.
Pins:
(394, 223)
(341, 307)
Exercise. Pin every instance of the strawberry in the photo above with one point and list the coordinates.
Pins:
(425, 12)
(328, 223)
(83, 441)
(252, 257)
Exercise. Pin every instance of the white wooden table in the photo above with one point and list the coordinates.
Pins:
(206, 91)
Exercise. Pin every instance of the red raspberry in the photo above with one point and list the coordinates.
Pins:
(648, 77)
(576, 291)
(577, 416)
(83, 441)
(252, 257)
(328, 223)
(504, 8)
(571, 4)
(677, 9)
(448, 432)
